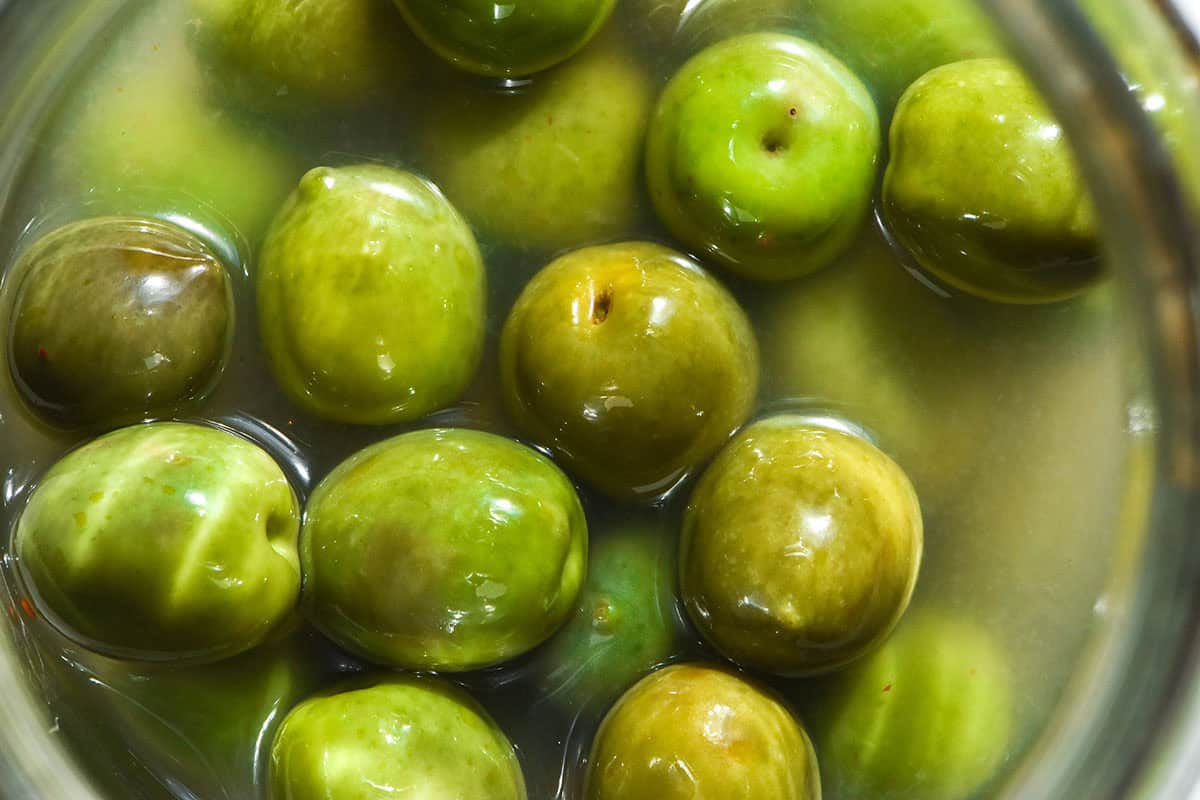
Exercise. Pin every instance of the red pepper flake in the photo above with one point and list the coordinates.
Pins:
(27, 607)
(887, 688)
(42, 354)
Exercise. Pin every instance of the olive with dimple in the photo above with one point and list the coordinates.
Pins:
(631, 363)
(163, 541)
(983, 190)
(519, 38)
(371, 296)
(699, 731)
(443, 549)
(800, 547)
(119, 318)
(393, 737)
(624, 624)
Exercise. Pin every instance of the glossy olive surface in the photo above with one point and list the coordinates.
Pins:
(117, 319)
(631, 363)
(800, 549)
(164, 540)
(371, 296)
(393, 736)
(443, 550)
(928, 715)
(299, 55)
(554, 163)
(761, 155)
(517, 38)
(624, 624)
(982, 188)
(698, 731)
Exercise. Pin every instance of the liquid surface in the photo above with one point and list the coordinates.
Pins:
(1011, 421)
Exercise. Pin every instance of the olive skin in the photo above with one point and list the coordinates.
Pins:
(286, 56)
(631, 363)
(553, 165)
(531, 36)
(371, 295)
(118, 319)
(624, 624)
(800, 548)
(761, 155)
(163, 541)
(928, 715)
(699, 731)
(393, 736)
(443, 549)
(983, 191)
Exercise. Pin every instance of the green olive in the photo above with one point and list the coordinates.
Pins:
(983, 190)
(118, 319)
(163, 541)
(393, 736)
(698, 731)
(928, 715)
(519, 38)
(800, 547)
(333, 53)
(443, 550)
(552, 164)
(624, 624)
(371, 292)
(631, 363)
(761, 154)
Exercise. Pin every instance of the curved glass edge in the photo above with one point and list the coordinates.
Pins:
(35, 764)
(1131, 725)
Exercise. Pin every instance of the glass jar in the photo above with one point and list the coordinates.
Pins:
(1129, 725)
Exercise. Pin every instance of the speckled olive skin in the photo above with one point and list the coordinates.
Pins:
(117, 319)
(443, 550)
(371, 296)
(928, 715)
(393, 736)
(761, 154)
(556, 166)
(283, 56)
(800, 548)
(891, 43)
(698, 731)
(530, 36)
(163, 541)
(631, 363)
(982, 188)
(624, 624)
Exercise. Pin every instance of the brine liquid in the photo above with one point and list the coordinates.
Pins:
(1012, 421)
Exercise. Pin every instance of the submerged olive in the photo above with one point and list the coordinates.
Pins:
(118, 319)
(269, 54)
(519, 38)
(371, 296)
(983, 190)
(393, 736)
(630, 362)
(163, 540)
(624, 624)
(928, 715)
(552, 164)
(698, 731)
(443, 550)
(800, 548)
